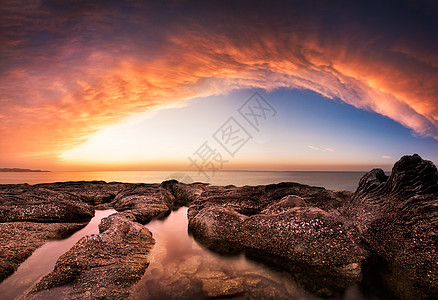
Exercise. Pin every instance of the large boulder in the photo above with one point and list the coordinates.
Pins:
(29, 203)
(281, 225)
(184, 193)
(102, 266)
(96, 193)
(145, 201)
(19, 239)
(398, 220)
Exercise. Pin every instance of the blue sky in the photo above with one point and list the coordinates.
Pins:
(309, 132)
(140, 85)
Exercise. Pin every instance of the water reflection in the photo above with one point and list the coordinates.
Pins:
(181, 269)
(43, 260)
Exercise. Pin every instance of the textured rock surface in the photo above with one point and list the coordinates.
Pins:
(295, 226)
(398, 219)
(96, 193)
(25, 215)
(30, 203)
(144, 201)
(308, 241)
(186, 271)
(184, 193)
(19, 239)
(66, 202)
(102, 266)
(387, 229)
(249, 200)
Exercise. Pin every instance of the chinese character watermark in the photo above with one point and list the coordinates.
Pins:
(206, 158)
(231, 136)
(256, 110)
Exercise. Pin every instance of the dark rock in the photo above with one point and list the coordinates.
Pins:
(91, 192)
(29, 203)
(305, 239)
(398, 220)
(285, 203)
(184, 193)
(271, 223)
(102, 266)
(323, 237)
(19, 239)
(145, 202)
(250, 200)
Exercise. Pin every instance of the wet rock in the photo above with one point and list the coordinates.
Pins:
(105, 265)
(184, 193)
(250, 200)
(29, 203)
(285, 203)
(294, 226)
(145, 202)
(217, 228)
(190, 265)
(318, 243)
(179, 287)
(323, 237)
(19, 239)
(222, 287)
(398, 219)
(91, 192)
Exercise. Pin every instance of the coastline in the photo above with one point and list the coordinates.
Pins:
(323, 238)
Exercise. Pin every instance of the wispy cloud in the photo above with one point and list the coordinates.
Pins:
(386, 156)
(320, 149)
(70, 71)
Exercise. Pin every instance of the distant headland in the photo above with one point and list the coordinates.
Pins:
(19, 170)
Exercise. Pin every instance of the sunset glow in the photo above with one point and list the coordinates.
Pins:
(129, 85)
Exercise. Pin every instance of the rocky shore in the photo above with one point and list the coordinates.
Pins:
(383, 236)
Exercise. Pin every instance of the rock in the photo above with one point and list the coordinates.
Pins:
(217, 228)
(29, 203)
(388, 228)
(208, 274)
(106, 265)
(398, 220)
(25, 213)
(250, 200)
(273, 224)
(190, 265)
(285, 203)
(304, 238)
(145, 202)
(19, 239)
(222, 287)
(184, 193)
(91, 192)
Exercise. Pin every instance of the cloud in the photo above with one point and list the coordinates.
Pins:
(386, 156)
(320, 149)
(72, 69)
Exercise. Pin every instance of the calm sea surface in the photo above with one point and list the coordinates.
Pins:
(329, 180)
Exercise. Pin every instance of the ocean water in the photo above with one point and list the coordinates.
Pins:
(330, 180)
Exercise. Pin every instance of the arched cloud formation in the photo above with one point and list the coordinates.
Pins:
(69, 69)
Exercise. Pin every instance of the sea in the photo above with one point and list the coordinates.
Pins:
(331, 180)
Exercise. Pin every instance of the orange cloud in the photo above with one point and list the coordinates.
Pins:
(93, 72)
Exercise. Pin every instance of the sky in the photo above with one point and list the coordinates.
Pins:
(253, 85)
